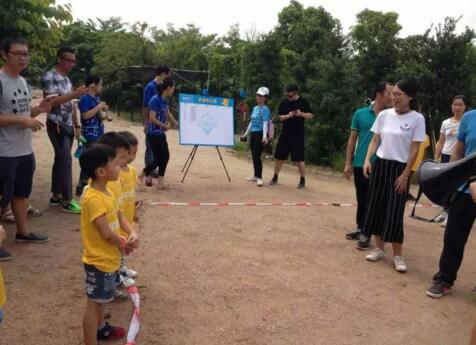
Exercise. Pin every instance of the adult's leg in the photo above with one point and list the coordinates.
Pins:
(149, 153)
(461, 218)
(154, 141)
(281, 153)
(21, 191)
(63, 176)
(256, 150)
(301, 168)
(163, 155)
(53, 134)
(361, 190)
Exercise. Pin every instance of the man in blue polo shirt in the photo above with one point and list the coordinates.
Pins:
(162, 72)
(461, 216)
(360, 136)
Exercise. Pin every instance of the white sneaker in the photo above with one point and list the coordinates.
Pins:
(441, 217)
(399, 264)
(126, 281)
(375, 255)
(259, 182)
(128, 272)
(251, 179)
(443, 224)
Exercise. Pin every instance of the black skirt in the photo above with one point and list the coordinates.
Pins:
(386, 207)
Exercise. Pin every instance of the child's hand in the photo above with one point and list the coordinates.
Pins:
(133, 240)
(472, 190)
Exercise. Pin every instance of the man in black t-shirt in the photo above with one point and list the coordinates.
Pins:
(292, 113)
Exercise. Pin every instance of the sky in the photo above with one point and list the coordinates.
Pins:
(262, 16)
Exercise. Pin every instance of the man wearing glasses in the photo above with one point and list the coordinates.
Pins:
(17, 122)
(61, 128)
(292, 113)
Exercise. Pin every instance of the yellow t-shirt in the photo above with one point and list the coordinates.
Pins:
(3, 297)
(421, 153)
(97, 251)
(129, 180)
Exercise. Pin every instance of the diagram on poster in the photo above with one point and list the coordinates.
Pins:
(206, 121)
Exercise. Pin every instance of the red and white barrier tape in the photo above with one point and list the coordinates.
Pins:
(264, 204)
(135, 322)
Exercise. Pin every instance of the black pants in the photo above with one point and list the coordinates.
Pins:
(256, 144)
(461, 216)
(362, 192)
(62, 172)
(385, 207)
(160, 148)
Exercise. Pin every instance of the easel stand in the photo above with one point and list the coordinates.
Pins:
(190, 158)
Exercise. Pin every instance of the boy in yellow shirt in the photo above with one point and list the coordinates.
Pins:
(2, 286)
(101, 220)
(129, 181)
(122, 147)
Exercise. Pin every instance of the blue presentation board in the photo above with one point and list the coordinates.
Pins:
(206, 121)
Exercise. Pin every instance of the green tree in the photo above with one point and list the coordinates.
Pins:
(40, 21)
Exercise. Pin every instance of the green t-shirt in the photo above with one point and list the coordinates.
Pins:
(362, 122)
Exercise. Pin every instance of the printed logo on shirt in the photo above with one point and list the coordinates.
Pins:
(114, 225)
(405, 127)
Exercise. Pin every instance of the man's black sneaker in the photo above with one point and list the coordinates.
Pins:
(363, 243)
(4, 255)
(55, 202)
(353, 235)
(302, 183)
(439, 289)
(436, 278)
(31, 237)
(274, 180)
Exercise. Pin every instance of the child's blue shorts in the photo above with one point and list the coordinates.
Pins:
(100, 286)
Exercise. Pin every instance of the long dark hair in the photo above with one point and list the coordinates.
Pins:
(166, 83)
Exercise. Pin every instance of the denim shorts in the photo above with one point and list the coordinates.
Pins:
(1, 316)
(100, 286)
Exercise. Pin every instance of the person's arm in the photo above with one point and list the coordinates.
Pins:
(349, 153)
(401, 184)
(59, 100)
(133, 238)
(283, 118)
(93, 112)
(106, 232)
(472, 190)
(248, 129)
(373, 146)
(153, 119)
(458, 151)
(306, 116)
(439, 145)
(170, 116)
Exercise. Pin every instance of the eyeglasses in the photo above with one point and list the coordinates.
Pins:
(22, 54)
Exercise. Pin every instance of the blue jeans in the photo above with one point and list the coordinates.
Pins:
(1, 316)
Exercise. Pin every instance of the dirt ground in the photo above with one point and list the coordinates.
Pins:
(238, 274)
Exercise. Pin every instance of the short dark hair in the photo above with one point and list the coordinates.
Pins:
(130, 138)
(92, 79)
(64, 49)
(7, 42)
(162, 69)
(292, 88)
(462, 98)
(114, 140)
(410, 87)
(95, 156)
(167, 82)
(379, 88)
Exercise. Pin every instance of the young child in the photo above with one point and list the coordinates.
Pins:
(129, 181)
(120, 144)
(92, 127)
(101, 220)
(2, 286)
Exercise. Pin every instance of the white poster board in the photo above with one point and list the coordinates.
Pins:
(206, 121)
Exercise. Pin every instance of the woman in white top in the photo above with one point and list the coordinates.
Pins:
(449, 129)
(398, 133)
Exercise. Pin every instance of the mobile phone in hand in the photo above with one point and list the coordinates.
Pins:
(244, 139)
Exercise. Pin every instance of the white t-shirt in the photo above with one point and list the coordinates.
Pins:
(449, 128)
(397, 132)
